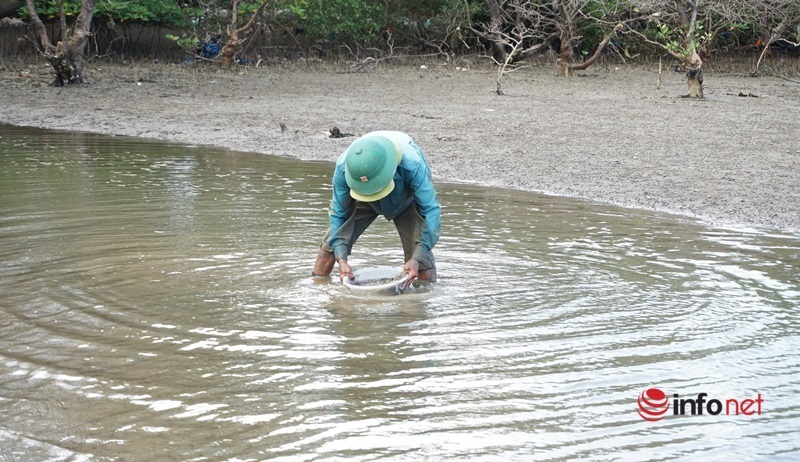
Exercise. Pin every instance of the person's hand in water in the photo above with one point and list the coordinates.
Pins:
(345, 270)
(412, 269)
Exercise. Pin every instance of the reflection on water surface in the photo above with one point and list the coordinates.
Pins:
(156, 304)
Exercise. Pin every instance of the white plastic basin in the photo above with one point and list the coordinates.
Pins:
(376, 279)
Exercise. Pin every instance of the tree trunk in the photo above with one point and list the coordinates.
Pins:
(569, 34)
(567, 55)
(67, 56)
(495, 25)
(229, 50)
(694, 78)
(69, 64)
(233, 41)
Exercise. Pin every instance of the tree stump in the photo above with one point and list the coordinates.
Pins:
(694, 78)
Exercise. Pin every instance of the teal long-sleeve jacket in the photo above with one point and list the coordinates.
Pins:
(413, 183)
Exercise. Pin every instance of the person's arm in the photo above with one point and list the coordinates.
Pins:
(341, 227)
(429, 208)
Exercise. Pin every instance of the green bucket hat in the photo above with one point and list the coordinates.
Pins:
(369, 167)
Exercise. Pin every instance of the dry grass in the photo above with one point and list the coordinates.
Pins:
(778, 63)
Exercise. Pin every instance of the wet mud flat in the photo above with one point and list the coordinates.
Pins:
(608, 134)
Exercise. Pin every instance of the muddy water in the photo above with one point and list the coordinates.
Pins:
(155, 304)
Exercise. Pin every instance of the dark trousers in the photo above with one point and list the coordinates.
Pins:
(408, 223)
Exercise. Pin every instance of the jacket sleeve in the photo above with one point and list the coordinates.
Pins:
(429, 208)
(341, 227)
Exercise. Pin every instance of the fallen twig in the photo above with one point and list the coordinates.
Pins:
(787, 78)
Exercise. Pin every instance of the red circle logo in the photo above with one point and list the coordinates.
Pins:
(653, 404)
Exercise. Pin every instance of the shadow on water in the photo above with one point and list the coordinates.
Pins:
(156, 301)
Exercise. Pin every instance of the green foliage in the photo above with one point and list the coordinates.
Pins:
(48, 9)
(143, 11)
(737, 35)
(438, 24)
(185, 41)
(675, 40)
(149, 11)
(669, 37)
(346, 19)
(355, 21)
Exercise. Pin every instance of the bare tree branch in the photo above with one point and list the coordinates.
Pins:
(597, 52)
(772, 19)
(41, 30)
(524, 28)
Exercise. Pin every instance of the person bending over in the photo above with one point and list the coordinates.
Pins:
(382, 173)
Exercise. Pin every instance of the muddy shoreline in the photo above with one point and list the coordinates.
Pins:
(608, 135)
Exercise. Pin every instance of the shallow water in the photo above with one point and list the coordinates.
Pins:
(155, 304)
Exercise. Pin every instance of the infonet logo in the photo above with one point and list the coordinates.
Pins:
(654, 405)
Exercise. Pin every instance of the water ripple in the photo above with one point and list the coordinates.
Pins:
(156, 300)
